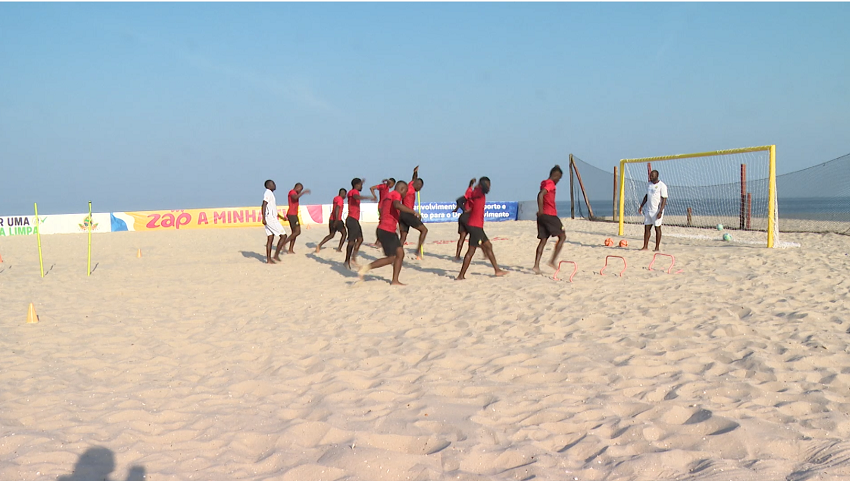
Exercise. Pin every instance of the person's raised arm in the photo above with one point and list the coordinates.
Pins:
(263, 210)
(403, 208)
(415, 174)
(472, 182)
(640, 209)
(303, 192)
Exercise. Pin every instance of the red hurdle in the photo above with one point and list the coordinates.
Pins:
(672, 262)
(575, 268)
(625, 265)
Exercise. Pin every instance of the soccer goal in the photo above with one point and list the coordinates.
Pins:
(735, 188)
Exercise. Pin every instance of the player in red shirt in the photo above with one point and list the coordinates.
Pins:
(292, 213)
(405, 220)
(548, 223)
(465, 204)
(352, 222)
(477, 237)
(335, 223)
(391, 209)
(383, 189)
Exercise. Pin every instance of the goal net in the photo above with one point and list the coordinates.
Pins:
(734, 188)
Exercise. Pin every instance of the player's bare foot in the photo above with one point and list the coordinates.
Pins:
(318, 249)
(552, 265)
(657, 250)
(645, 248)
(269, 261)
(501, 273)
(460, 278)
(361, 273)
(536, 270)
(397, 283)
(338, 250)
(276, 257)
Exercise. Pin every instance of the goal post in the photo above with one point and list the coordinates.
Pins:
(711, 181)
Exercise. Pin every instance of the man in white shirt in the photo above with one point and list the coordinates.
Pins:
(271, 222)
(655, 200)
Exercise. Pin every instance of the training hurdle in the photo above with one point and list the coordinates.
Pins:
(575, 268)
(625, 265)
(672, 262)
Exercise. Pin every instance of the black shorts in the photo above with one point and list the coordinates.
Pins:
(354, 230)
(406, 221)
(549, 226)
(293, 221)
(389, 242)
(476, 236)
(462, 227)
(336, 226)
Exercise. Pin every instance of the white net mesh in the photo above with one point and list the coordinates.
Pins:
(731, 190)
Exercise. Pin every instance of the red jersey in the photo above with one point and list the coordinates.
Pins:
(336, 206)
(389, 214)
(468, 195)
(382, 192)
(293, 203)
(549, 197)
(354, 204)
(410, 197)
(476, 216)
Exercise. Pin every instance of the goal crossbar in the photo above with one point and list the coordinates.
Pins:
(771, 200)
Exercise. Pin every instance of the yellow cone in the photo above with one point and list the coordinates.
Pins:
(32, 318)
(139, 254)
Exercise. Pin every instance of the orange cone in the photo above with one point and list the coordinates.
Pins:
(1, 258)
(139, 254)
(32, 318)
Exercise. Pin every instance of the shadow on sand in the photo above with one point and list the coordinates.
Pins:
(253, 255)
(336, 266)
(96, 464)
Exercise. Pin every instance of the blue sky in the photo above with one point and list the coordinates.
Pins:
(156, 106)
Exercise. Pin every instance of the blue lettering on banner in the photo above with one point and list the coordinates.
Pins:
(493, 211)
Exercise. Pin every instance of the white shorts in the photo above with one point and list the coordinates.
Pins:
(649, 219)
(273, 227)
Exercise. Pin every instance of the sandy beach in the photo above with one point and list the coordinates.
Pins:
(198, 361)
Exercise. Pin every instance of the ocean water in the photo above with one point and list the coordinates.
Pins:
(835, 209)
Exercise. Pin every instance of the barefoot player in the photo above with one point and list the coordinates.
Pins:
(352, 222)
(292, 214)
(335, 223)
(655, 200)
(477, 237)
(271, 222)
(405, 220)
(394, 252)
(383, 189)
(548, 223)
(462, 228)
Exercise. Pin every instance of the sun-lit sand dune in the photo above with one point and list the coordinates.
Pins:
(198, 361)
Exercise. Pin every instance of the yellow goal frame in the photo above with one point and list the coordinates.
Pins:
(771, 200)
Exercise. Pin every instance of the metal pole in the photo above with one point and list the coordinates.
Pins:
(572, 191)
(614, 203)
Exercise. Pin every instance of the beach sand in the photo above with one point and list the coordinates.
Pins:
(198, 361)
